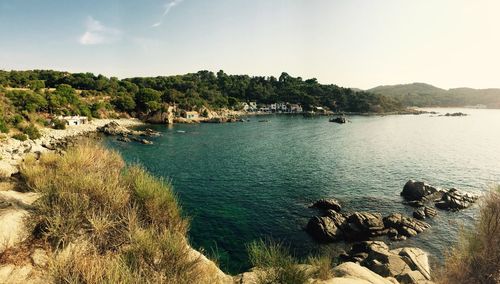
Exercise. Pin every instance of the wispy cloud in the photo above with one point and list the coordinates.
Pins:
(169, 5)
(97, 33)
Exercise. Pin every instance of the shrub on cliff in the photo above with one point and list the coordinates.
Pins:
(32, 131)
(58, 124)
(4, 128)
(476, 259)
(20, 136)
(109, 223)
(275, 264)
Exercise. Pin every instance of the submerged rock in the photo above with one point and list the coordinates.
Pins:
(326, 204)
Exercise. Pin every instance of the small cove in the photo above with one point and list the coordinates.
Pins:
(243, 181)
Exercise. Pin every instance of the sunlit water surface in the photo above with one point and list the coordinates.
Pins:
(244, 181)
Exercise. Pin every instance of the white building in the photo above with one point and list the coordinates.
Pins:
(282, 107)
(74, 120)
(253, 105)
(245, 106)
(295, 108)
(191, 115)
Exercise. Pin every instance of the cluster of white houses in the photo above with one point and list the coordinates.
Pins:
(272, 108)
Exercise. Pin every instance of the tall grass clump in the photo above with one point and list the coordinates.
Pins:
(476, 258)
(275, 264)
(107, 222)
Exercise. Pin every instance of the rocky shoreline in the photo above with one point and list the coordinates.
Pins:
(13, 151)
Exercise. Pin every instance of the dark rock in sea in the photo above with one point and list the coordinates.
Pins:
(150, 133)
(416, 190)
(326, 204)
(455, 200)
(456, 114)
(405, 226)
(324, 229)
(419, 214)
(364, 225)
(430, 212)
(124, 139)
(424, 212)
(417, 194)
(339, 119)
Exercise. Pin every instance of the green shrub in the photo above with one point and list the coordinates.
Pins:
(275, 264)
(32, 132)
(58, 123)
(16, 119)
(20, 136)
(4, 128)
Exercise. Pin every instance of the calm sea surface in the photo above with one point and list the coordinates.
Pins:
(244, 181)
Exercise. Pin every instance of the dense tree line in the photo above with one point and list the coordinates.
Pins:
(189, 91)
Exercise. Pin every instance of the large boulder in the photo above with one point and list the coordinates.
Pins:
(327, 204)
(416, 190)
(418, 259)
(363, 225)
(325, 229)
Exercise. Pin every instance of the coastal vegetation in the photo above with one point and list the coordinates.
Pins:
(105, 222)
(476, 258)
(61, 93)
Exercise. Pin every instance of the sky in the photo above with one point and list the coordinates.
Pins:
(351, 43)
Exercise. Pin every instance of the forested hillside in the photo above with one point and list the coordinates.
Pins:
(202, 88)
(424, 95)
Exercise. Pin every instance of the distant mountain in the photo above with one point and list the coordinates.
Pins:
(425, 95)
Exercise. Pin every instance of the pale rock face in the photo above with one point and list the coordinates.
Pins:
(12, 213)
(419, 258)
(351, 270)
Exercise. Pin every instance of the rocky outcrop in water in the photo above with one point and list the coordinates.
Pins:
(335, 226)
(127, 135)
(326, 204)
(418, 194)
(424, 212)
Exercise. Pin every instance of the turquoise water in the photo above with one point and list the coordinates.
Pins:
(243, 181)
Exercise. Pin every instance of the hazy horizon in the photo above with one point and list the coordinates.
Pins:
(358, 44)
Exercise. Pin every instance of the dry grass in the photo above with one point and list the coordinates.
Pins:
(476, 259)
(275, 264)
(109, 223)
